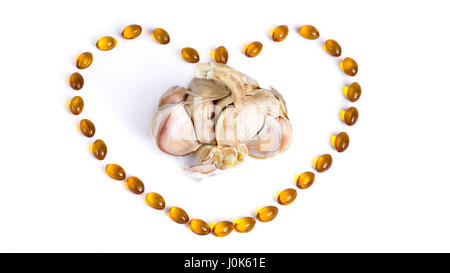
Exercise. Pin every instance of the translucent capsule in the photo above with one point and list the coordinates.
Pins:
(155, 200)
(340, 142)
(199, 227)
(309, 32)
(190, 55)
(349, 66)
(332, 47)
(349, 116)
(220, 55)
(245, 224)
(106, 43)
(87, 128)
(267, 214)
(178, 215)
(323, 163)
(115, 171)
(99, 149)
(84, 60)
(222, 229)
(352, 92)
(76, 105)
(253, 49)
(287, 196)
(280, 33)
(76, 81)
(161, 36)
(305, 180)
(131, 31)
(135, 185)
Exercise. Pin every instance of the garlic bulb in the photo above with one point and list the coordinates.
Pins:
(222, 117)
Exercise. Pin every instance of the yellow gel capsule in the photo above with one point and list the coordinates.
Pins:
(155, 200)
(99, 149)
(253, 49)
(280, 33)
(323, 163)
(84, 60)
(190, 55)
(287, 196)
(221, 55)
(76, 105)
(199, 227)
(349, 66)
(267, 214)
(131, 31)
(349, 116)
(245, 224)
(161, 36)
(332, 47)
(87, 128)
(115, 171)
(353, 92)
(309, 32)
(222, 229)
(135, 185)
(340, 142)
(305, 180)
(106, 43)
(76, 81)
(178, 215)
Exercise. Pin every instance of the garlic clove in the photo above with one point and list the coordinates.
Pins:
(202, 114)
(174, 131)
(250, 118)
(173, 95)
(268, 141)
(281, 99)
(286, 133)
(226, 128)
(205, 152)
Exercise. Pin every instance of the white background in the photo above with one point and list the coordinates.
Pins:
(388, 192)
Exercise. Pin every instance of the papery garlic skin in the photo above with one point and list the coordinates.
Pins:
(222, 117)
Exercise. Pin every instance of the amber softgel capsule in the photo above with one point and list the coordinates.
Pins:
(178, 215)
(84, 60)
(267, 214)
(349, 66)
(131, 32)
(199, 227)
(135, 185)
(340, 141)
(87, 128)
(190, 55)
(280, 33)
(352, 92)
(287, 196)
(305, 180)
(155, 200)
(76, 105)
(76, 81)
(222, 229)
(161, 36)
(245, 224)
(332, 47)
(99, 149)
(115, 171)
(349, 116)
(106, 43)
(220, 55)
(322, 163)
(253, 49)
(309, 32)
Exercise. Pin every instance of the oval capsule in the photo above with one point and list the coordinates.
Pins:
(349, 116)
(161, 36)
(222, 229)
(155, 200)
(221, 55)
(309, 32)
(340, 142)
(87, 128)
(323, 163)
(353, 92)
(305, 180)
(115, 171)
(106, 43)
(135, 185)
(190, 55)
(76, 81)
(131, 31)
(199, 227)
(332, 47)
(84, 60)
(76, 105)
(267, 214)
(280, 33)
(99, 149)
(245, 224)
(253, 49)
(349, 66)
(287, 196)
(178, 215)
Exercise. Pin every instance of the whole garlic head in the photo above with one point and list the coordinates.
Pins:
(223, 116)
